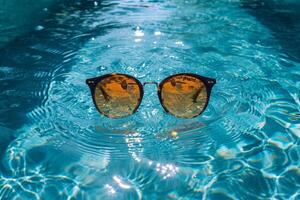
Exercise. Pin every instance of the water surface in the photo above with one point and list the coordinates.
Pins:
(56, 146)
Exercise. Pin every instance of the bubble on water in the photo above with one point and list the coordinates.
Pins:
(138, 32)
(157, 33)
(137, 40)
(39, 28)
(179, 43)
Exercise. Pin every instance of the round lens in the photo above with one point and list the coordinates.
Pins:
(183, 95)
(117, 95)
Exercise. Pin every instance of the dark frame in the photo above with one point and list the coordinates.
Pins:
(208, 82)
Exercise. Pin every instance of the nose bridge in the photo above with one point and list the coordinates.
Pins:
(150, 83)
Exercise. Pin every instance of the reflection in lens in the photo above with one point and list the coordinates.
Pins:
(184, 96)
(117, 96)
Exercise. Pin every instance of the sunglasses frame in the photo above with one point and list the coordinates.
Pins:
(208, 83)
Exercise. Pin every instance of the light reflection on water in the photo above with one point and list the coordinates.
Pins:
(245, 145)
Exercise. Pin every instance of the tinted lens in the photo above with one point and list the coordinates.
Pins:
(117, 95)
(183, 95)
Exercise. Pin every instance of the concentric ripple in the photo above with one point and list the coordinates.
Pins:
(244, 146)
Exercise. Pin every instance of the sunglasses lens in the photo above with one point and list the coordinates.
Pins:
(184, 96)
(117, 95)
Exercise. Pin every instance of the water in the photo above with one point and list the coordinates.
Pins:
(16, 17)
(54, 144)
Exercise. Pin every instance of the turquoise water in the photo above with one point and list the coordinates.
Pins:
(55, 145)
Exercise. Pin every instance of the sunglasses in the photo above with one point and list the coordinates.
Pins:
(183, 95)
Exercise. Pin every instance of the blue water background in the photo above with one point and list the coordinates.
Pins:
(54, 144)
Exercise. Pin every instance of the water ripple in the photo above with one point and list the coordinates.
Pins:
(244, 146)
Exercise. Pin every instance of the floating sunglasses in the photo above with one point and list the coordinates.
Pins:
(184, 95)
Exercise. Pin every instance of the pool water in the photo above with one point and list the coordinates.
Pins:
(55, 145)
